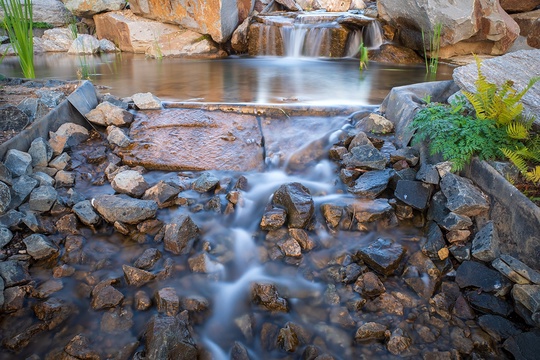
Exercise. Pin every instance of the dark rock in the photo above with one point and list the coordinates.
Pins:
(463, 197)
(5, 236)
(48, 288)
(147, 259)
(369, 285)
(14, 298)
(290, 247)
(12, 118)
(461, 252)
(39, 247)
(382, 255)
(413, 193)
(302, 237)
(365, 157)
(507, 271)
(80, 348)
(498, 327)
(5, 197)
(23, 338)
(348, 176)
(297, 202)
(41, 152)
(273, 219)
(34, 108)
(137, 277)
(11, 219)
(524, 346)
(371, 184)
(398, 343)
(428, 174)
(21, 189)
(528, 296)
(336, 152)
(142, 301)
(475, 274)
(205, 182)
(370, 331)
(118, 320)
(169, 338)
(488, 304)
(42, 198)
(358, 140)
(162, 193)
(408, 154)
(51, 98)
(434, 242)
(105, 297)
(462, 309)
(385, 303)
(422, 275)
(267, 297)
(239, 352)
(85, 212)
(5, 174)
(340, 315)
(18, 162)
(485, 245)
(53, 311)
(458, 236)
(460, 341)
(332, 214)
(521, 268)
(405, 174)
(287, 339)
(167, 301)
(181, 235)
(124, 209)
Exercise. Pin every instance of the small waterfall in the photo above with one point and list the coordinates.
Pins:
(304, 40)
(373, 35)
(353, 43)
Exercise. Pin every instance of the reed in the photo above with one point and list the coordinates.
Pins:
(363, 52)
(18, 21)
(432, 46)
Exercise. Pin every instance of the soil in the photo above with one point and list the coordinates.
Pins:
(530, 190)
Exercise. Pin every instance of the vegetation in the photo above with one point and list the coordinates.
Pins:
(490, 125)
(363, 52)
(432, 46)
(42, 25)
(18, 22)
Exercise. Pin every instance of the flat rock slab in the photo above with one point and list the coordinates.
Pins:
(191, 139)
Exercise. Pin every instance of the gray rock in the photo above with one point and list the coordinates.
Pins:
(349, 176)
(34, 108)
(413, 193)
(408, 154)
(205, 182)
(383, 255)
(39, 247)
(43, 198)
(137, 277)
(462, 196)
(84, 44)
(168, 337)
(434, 242)
(107, 46)
(18, 162)
(60, 162)
(2, 286)
(106, 114)
(366, 157)
(41, 152)
(507, 271)
(11, 218)
(43, 179)
(51, 98)
(180, 235)
(273, 219)
(5, 174)
(64, 179)
(147, 259)
(475, 274)
(12, 118)
(85, 212)
(106, 296)
(5, 197)
(429, 174)
(115, 101)
(130, 182)
(296, 199)
(521, 268)
(448, 220)
(163, 193)
(498, 327)
(371, 184)
(359, 139)
(146, 101)
(485, 245)
(488, 303)
(528, 296)
(68, 134)
(374, 123)
(524, 346)
(14, 273)
(5, 236)
(167, 301)
(21, 189)
(124, 209)
(117, 136)
(267, 297)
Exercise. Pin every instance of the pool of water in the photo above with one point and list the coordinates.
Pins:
(236, 79)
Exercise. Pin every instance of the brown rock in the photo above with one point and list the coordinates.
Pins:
(137, 277)
(519, 6)
(168, 301)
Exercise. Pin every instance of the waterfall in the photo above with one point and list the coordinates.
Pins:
(353, 44)
(373, 37)
(304, 40)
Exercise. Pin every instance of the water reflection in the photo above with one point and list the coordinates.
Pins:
(257, 80)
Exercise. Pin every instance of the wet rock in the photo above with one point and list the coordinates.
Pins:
(239, 352)
(297, 201)
(475, 274)
(80, 347)
(266, 296)
(349, 176)
(106, 114)
(48, 288)
(117, 320)
(23, 338)
(146, 101)
(369, 285)
(167, 301)
(205, 182)
(39, 247)
(458, 236)
(142, 301)
(287, 339)
(462, 196)
(180, 235)
(382, 255)
(398, 343)
(43, 198)
(488, 304)
(137, 277)
(147, 259)
(21, 190)
(385, 303)
(498, 327)
(302, 237)
(334, 336)
(202, 263)
(332, 214)
(40, 151)
(422, 275)
(18, 162)
(340, 315)
(85, 212)
(64, 179)
(485, 245)
(507, 271)
(371, 184)
(521, 268)
(365, 157)
(273, 219)
(434, 242)
(104, 297)
(53, 311)
(14, 298)
(67, 135)
(524, 346)
(60, 162)
(462, 309)
(162, 193)
(336, 152)
(413, 193)
(527, 295)
(124, 209)
(370, 331)
(376, 124)
(460, 341)
(117, 136)
(290, 247)
(409, 154)
(130, 182)
(5, 197)
(168, 337)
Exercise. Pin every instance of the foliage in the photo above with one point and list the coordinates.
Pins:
(522, 155)
(431, 50)
(18, 21)
(42, 25)
(72, 26)
(363, 52)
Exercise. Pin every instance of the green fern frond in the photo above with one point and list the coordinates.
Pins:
(517, 130)
(533, 175)
(515, 158)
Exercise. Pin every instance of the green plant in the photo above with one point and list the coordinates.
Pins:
(432, 46)
(72, 26)
(18, 22)
(42, 25)
(363, 52)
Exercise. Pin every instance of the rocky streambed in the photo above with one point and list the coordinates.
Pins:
(334, 246)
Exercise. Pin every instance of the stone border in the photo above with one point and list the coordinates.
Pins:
(79, 102)
(516, 218)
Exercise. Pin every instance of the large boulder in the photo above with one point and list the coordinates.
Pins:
(124, 209)
(516, 6)
(88, 8)
(48, 11)
(335, 5)
(186, 43)
(217, 18)
(468, 26)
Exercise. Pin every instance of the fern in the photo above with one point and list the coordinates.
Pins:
(522, 156)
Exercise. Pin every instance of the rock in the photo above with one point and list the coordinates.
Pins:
(370, 331)
(48, 288)
(130, 182)
(375, 124)
(485, 245)
(298, 203)
(290, 247)
(522, 269)
(385, 303)
(429, 174)
(507, 271)
(5, 237)
(180, 235)
(202, 263)
(147, 259)
(267, 297)
(162, 193)
(84, 44)
(5, 174)
(51, 98)
(52, 12)
(382, 255)
(87, 9)
(106, 114)
(443, 217)
(137, 277)
(239, 39)
(369, 285)
(365, 157)
(413, 193)
(57, 40)
(527, 295)
(142, 301)
(498, 327)
(524, 346)
(239, 352)
(64, 179)
(185, 44)
(39, 247)
(408, 154)
(146, 101)
(41, 152)
(5, 197)
(80, 347)
(124, 209)
(398, 342)
(43, 179)
(371, 184)
(395, 54)
(488, 304)
(516, 6)
(497, 71)
(43, 198)
(18, 162)
(53, 311)
(169, 337)
(85, 212)
(11, 218)
(475, 274)
(60, 162)
(205, 182)
(463, 29)
(68, 134)
(105, 296)
(462, 196)
(117, 136)
(273, 219)
(14, 273)
(434, 242)
(12, 118)
(118, 320)
(167, 301)
(107, 46)
(358, 140)
(422, 275)
(533, 39)
(335, 5)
